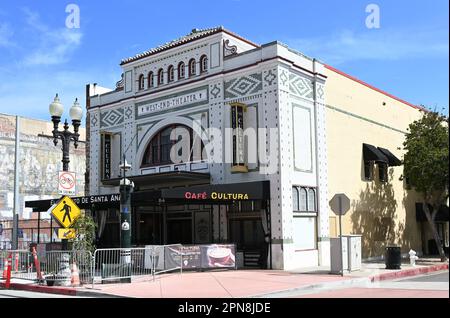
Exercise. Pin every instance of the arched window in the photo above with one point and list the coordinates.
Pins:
(170, 74)
(181, 70)
(203, 64)
(160, 76)
(159, 148)
(294, 199)
(311, 200)
(141, 82)
(150, 80)
(302, 200)
(192, 66)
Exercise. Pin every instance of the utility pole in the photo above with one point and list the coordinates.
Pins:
(15, 239)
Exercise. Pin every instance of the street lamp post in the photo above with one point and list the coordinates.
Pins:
(126, 188)
(76, 113)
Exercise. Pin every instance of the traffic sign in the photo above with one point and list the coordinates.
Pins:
(67, 183)
(66, 212)
(340, 204)
(66, 233)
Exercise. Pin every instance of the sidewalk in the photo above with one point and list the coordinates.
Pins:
(240, 283)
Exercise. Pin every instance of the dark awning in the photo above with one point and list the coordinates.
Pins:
(393, 160)
(162, 177)
(441, 216)
(211, 193)
(371, 153)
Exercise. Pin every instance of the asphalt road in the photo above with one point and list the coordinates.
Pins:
(433, 285)
(439, 277)
(8, 293)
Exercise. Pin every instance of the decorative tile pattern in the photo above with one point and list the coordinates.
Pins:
(215, 91)
(283, 77)
(94, 120)
(270, 77)
(244, 85)
(320, 91)
(301, 86)
(111, 117)
(128, 112)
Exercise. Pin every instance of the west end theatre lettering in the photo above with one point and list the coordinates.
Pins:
(177, 101)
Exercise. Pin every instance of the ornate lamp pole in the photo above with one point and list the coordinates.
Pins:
(126, 187)
(76, 113)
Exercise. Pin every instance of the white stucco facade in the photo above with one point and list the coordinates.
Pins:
(284, 94)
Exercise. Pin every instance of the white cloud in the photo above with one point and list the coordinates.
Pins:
(375, 44)
(55, 46)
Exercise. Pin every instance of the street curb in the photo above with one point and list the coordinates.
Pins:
(309, 289)
(408, 272)
(67, 291)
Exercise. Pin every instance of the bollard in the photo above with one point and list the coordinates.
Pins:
(8, 273)
(37, 265)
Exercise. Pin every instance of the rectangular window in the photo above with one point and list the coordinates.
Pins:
(305, 236)
(304, 199)
(383, 172)
(368, 170)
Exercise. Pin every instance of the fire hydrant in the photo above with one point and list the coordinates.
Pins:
(412, 257)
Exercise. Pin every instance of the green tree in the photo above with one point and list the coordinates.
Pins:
(84, 239)
(426, 165)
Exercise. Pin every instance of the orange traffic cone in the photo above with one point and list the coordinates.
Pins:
(75, 277)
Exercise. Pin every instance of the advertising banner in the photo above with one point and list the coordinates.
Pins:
(201, 256)
(218, 256)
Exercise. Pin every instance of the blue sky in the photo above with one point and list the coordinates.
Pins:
(408, 56)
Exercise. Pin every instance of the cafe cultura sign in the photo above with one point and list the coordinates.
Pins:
(215, 196)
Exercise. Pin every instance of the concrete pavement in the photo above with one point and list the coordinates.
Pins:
(243, 283)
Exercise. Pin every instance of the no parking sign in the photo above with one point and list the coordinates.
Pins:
(66, 183)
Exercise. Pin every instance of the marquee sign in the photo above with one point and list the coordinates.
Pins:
(106, 156)
(179, 100)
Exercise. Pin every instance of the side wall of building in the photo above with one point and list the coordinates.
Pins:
(384, 213)
(39, 163)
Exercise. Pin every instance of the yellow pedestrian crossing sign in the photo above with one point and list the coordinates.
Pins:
(66, 233)
(66, 212)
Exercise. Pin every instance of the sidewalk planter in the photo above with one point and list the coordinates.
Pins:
(393, 258)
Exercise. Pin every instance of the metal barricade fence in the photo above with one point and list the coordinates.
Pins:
(125, 264)
(66, 263)
(50, 263)
(20, 267)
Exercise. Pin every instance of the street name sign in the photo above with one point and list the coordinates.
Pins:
(66, 212)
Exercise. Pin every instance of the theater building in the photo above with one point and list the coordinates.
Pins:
(206, 83)
(235, 142)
